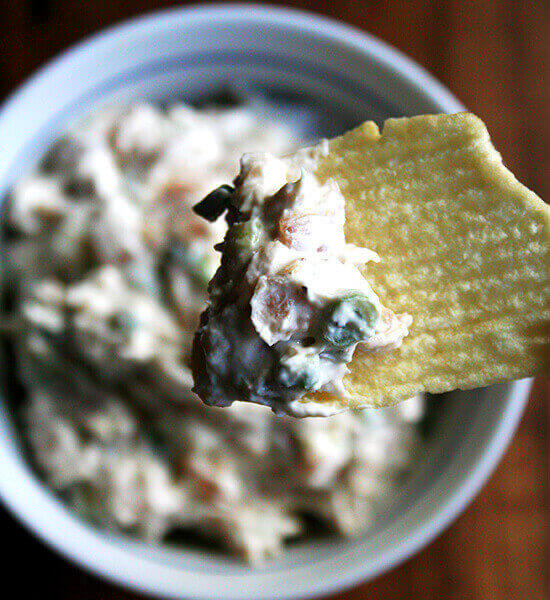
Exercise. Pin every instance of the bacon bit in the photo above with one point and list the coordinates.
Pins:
(296, 229)
(278, 309)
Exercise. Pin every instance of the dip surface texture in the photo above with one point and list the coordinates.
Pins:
(108, 268)
(288, 304)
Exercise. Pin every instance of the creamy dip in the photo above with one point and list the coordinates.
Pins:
(288, 304)
(107, 272)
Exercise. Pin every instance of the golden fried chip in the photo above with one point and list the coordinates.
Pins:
(464, 249)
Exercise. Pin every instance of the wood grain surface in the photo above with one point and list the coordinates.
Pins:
(493, 55)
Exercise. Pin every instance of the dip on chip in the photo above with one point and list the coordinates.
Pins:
(373, 267)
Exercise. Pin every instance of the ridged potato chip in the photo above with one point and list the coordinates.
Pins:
(464, 249)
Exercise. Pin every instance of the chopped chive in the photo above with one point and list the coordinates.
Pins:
(215, 203)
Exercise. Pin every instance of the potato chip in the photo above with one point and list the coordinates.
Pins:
(464, 248)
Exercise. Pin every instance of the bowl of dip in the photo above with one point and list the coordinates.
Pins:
(303, 77)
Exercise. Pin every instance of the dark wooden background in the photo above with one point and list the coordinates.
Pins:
(494, 55)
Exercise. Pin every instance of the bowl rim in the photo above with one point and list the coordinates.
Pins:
(416, 77)
(392, 58)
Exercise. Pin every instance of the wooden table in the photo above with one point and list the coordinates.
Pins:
(493, 55)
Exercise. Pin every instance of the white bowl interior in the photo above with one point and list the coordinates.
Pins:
(322, 78)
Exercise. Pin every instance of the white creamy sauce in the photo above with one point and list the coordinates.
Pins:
(108, 266)
(286, 263)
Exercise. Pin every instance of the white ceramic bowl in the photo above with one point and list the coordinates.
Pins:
(328, 77)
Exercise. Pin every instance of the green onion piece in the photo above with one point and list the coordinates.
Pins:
(298, 372)
(244, 235)
(214, 205)
(348, 320)
(304, 380)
